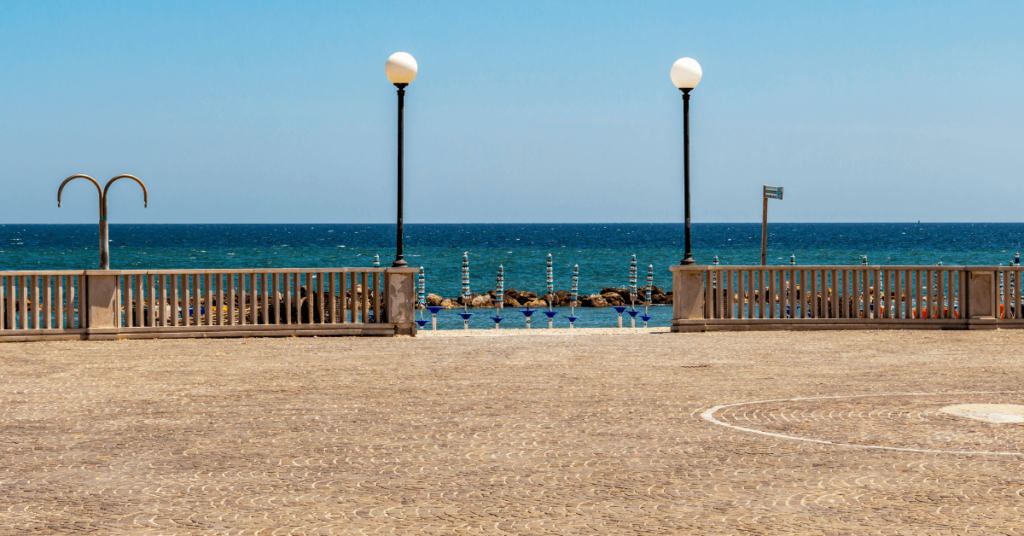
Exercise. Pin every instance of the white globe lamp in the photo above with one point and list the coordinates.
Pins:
(686, 73)
(401, 68)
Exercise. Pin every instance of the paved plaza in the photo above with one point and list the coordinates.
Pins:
(522, 433)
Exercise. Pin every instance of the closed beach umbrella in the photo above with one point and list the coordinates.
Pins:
(465, 290)
(632, 278)
(500, 298)
(376, 261)
(465, 280)
(551, 294)
(550, 281)
(575, 286)
(421, 296)
(422, 293)
(574, 296)
(650, 285)
(649, 291)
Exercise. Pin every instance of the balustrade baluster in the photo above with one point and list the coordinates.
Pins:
(275, 291)
(75, 318)
(151, 299)
(366, 297)
(377, 288)
(48, 297)
(175, 304)
(332, 309)
(709, 293)
(58, 302)
(343, 296)
(320, 295)
(232, 294)
(865, 293)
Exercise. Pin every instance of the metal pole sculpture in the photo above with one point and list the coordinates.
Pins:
(499, 297)
(551, 293)
(465, 290)
(104, 231)
(574, 296)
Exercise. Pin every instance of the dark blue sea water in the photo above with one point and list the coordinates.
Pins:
(601, 250)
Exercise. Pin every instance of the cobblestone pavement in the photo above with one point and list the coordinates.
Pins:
(517, 434)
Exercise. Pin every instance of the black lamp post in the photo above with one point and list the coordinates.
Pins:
(686, 75)
(401, 70)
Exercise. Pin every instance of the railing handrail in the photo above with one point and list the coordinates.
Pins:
(41, 272)
(193, 271)
(212, 271)
(696, 267)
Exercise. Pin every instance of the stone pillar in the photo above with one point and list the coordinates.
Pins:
(688, 292)
(401, 299)
(981, 294)
(103, 303)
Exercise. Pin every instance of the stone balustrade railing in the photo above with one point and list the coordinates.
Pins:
(117, 304)
(708, 298)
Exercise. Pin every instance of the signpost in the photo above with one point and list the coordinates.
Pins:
(770, 192)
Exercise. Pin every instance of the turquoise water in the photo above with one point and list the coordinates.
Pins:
(602, 251)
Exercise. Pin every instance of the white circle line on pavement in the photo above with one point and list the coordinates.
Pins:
(709, 415)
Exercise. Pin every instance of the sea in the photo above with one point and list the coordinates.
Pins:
(601, 250)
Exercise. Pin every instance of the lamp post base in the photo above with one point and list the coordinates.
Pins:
(687, 260)
(400, 263)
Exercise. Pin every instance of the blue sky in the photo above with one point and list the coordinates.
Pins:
(237, 112)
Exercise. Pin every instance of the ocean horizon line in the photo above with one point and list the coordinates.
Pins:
(771, 223)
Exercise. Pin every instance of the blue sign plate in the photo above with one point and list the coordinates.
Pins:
(773, 192)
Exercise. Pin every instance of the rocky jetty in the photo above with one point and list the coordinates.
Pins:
(608, 296)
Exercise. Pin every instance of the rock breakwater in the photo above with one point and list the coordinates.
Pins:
(609, 296)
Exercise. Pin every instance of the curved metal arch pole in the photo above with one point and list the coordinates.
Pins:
(102, 203)
(104, 232)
